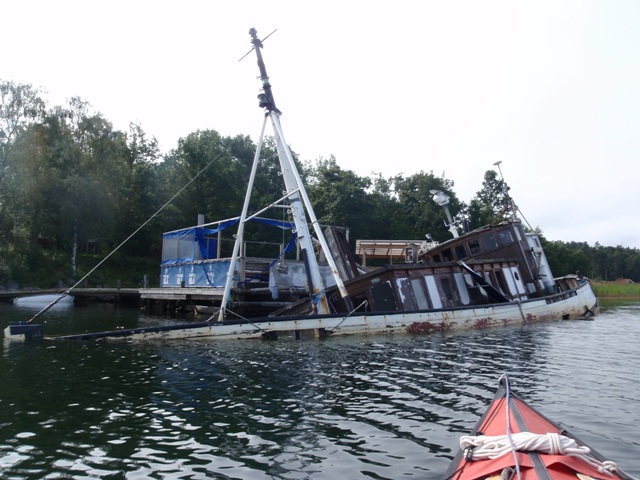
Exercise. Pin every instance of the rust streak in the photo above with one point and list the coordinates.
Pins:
(426, 327)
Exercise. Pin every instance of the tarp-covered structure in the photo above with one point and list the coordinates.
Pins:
(190, 255)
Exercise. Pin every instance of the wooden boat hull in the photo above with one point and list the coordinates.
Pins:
(509, 413)
(576, 303)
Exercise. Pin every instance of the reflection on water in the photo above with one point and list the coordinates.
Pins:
(361, 407)
(38, 302)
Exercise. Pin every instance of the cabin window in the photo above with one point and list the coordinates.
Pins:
(460, 252)
(446, 255)
(502, 285)
(489, 242)
(418, 293)
(536, 241)
(358, 302)
(462, 288)
(382, 296)
(518, 235)
(511, 284)
(477, 295)
(406, 296)
(432, 289)
(446, 288)
(436, 258)
(474, 247)
(505, 237)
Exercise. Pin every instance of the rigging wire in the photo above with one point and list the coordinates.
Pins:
(167, 203)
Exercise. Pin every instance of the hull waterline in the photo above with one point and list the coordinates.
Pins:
(578, 303)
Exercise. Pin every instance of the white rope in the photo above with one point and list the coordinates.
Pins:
(489, 447)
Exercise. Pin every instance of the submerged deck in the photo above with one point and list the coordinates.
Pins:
(182, 293)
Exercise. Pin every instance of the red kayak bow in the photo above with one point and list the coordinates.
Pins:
(514, 441)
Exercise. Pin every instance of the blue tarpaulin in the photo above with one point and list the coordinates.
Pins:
(199, 243)
(191, 244)
(209, 274)
(189, 256)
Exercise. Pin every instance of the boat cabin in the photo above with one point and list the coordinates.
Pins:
(507, 240)
(494, 264)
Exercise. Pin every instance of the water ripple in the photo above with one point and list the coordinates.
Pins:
(362, 407)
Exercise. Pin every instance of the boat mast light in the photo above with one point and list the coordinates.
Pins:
(439, 197)
(442, 199)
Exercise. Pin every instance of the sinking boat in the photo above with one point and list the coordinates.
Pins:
(496, 275)
(514, 441)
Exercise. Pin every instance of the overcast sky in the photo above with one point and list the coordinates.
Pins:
(549, 88)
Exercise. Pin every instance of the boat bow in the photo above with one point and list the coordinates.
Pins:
(513, 440)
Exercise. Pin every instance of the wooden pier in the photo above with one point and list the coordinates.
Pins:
(161, 299)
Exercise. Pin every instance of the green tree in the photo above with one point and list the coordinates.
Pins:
(339, 196)
(492, 204)
(71, 174)
(386, 217)
(422, 214)
(20, 107)
(139, 193)
(218, 169)
(564, 258)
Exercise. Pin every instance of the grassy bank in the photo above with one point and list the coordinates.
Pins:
(616, 290)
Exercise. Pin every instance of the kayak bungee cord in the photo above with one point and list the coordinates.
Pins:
(168, 202)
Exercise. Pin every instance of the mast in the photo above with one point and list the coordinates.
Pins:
(298, 202)
(293, 184)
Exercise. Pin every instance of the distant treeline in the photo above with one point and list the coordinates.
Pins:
(72, 188)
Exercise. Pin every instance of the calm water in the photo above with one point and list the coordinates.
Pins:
(349, 408)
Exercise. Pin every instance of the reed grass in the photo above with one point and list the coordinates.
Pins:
(616, 290)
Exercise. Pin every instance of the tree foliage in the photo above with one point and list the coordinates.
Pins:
(422, 215)
(492, 204)
(339, 196)
(20, 106)
(70, 182)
